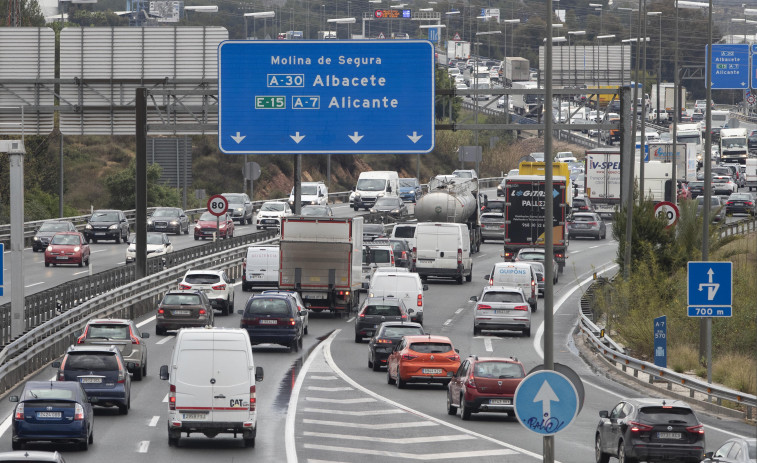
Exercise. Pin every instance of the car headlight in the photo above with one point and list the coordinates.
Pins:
(197, 225)
(395, 211)
(88, 227)
(380, 195)
(50, 248)
(313, 202)
(357, 195)
(36, 238)
(77, 249)
(223, 225)
(149, 222)
(113, 227)
(173, 222)
(374, 210)
(239, 209)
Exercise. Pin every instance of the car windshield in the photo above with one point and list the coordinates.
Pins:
(181, 299)
(90, 361)
(54, 227)
(404, 232)
(207, 216)
(315, 210)
(387, 202)
(275, 207)
(165, 213)
(202, 278)
(531, 256)
(500, 370)
(108, 331)
(371, 184)
(431, 347)
(65, 240)
(714, 201)
(501, 296)
(584, 218)
(383, 310)
(492, 218)
(666, 415)
(105, 217)
(152, 238)
(48, 393)
(381, 256)
(399, 331)
(234, 199)
(408, 182)
(308, 190)
(264, 305)
(464, 174)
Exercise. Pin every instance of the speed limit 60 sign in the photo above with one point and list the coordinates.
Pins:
(668, 211)
(218, 205)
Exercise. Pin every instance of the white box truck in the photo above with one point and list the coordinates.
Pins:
(322, 259)
(602, 184)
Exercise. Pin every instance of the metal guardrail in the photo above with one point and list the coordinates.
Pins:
(743, 117)
(612, 352)
(739, 228)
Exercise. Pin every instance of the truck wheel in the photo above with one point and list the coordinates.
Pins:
(459, 280)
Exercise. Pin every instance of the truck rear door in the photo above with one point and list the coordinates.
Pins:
(231, 381)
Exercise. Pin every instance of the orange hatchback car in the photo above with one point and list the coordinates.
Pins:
(422, 359)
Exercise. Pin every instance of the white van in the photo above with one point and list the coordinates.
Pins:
(373, 185)
(260, 267)
(312, 193)
(518, 274)
(401, 285)
(212, 379)
(443, 250)
(405, 231)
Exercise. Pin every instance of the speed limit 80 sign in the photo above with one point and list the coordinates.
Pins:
(668, 212)
(218, 205)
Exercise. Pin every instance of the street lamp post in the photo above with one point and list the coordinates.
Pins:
(598, 7)
(659, 66)
(254, 16)
(607, 70)
(574, 70)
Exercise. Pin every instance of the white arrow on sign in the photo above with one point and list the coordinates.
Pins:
(297, 137)
(546, 396)
(238, 137)
(712, 288)
(415, 137)
(355, 137)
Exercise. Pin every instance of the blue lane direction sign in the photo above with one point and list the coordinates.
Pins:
(546, 402)
(309, 97)
(753, 71)
(433, 34)
(710, 289)
(660, 332)
(730, 66)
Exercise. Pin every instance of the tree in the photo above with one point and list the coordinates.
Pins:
(120, 184)
(30, 13)
(443, 80)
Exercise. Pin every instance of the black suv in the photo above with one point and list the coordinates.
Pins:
(376, 310)
(273, 319)
(107, 224)
(101, 371)
(240, 207)
(649, 430)
(183, 308)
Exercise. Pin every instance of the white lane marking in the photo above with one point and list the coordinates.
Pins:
(488, 344)
(480, 255)
(540, 331)
(351, 320)
(99, 250)
(34, 284)
(595, 247)
(165, 399)
(154, 421)
(576, 252)
(389, 411)
(361, 400)
(165, 340)
(447, 322)
(143, 446)
(143, 323)
(413, 456)
(6, 424)
(83, 271)
(291, 448)
(392, 440)
(329, 389)
(356, 385)
(458, 310)
(323, 377)
(349, 424)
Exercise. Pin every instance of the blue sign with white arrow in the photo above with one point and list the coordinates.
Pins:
(546, 402)
(710, 289)
(730, 66)
(308, 97)
(753, 71)
(660, 331)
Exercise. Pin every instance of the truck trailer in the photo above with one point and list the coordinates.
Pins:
(454, 200)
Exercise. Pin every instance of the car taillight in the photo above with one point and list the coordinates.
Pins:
(172, 397)
(415, 253)
(253, 400)
(121, 371)
(698, 429)
(593, 224)
(521, 307)
(483, 307)
(491, 281)
(134, 339)
(221, 287)
(361, 315)
(391, 254)
(454, 358)
(202, 312)
(470, 383)
(403, 255)
(403, 316)
(508, 255)
(748, 203)
(183, 286)
(729, 203)
(502, 226)
(420, 300)
(558, 255)
(383, 341)
(61, 376)
(244, 267)
(161, 311)
(20, 411)
(459, 256)
(291, 322)
(83, 336)
(344, 293)
(638, 427)
(409, 356)
(78, 412)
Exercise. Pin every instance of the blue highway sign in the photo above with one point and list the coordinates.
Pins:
(546, 402)
(433, 34)
(753, 71)
(710, 289)
(660, 332)
(730, 66)
(308, 97)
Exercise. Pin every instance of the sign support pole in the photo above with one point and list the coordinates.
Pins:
(140, 224)
(18, 309)
(549, 441)
(707, 180)
(297, 184)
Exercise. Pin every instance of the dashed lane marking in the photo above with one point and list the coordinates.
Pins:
(458, 311)
(165, 340)
(154, 421)
(351, 320)
(488, 344)
(447, 322)
(325, 378)
(346, 424)
(165, 399)
(143, 446)
(389, 411)
(330, 389)
(35, 284)
(144, 322)
(412, 456)
(360, 400)
(393, 440)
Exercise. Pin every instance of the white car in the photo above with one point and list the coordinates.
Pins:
(216, 284)
(565, 156)
(270, 214)
(300, 305)
(158, 244)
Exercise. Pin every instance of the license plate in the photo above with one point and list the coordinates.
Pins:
(194, 416)
(100, 234)
(668, 435)
(499, 401)
(62, 258)
(501, 312)
(257, 277)
(269, 322)
(269, 221)
(432, 371)
(180, 312)
(49, 414)
(92, 380)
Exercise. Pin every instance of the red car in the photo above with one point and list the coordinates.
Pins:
(484, 384)
(422, 359)
(67, 248)
(206, 226)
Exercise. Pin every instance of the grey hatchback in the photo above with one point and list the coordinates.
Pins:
(123, 334)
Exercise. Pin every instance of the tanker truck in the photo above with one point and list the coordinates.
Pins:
(454, 200)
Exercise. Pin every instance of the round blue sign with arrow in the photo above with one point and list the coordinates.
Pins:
(546, 402)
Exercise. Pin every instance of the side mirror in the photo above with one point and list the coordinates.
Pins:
(258, 374)
(410, 311)
(144, 335)
(365, 285)
(457, 351)
(389, 189)
(240, 312)
(168, 243)
(474, 298)
(425, 287)
(486, 277)
(708, 455)
(163, 372)
(301, 313)
(56, 364)
(603, 414)
(13, 398)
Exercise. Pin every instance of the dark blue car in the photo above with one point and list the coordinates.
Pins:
(273, 319)
(52, 411)
(410, 189)
(101, 371)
